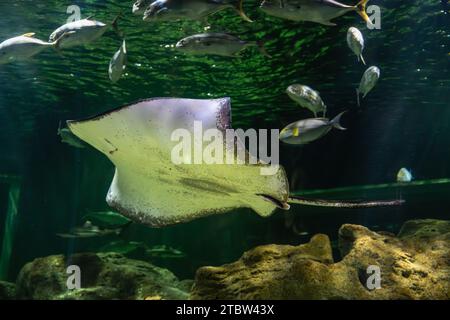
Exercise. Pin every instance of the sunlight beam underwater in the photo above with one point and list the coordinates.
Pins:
(150, 189)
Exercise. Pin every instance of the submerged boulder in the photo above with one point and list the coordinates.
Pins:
(103, 276)
(424, 229)
(7, 290)
(413, 265)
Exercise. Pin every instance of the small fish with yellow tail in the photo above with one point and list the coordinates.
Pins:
(322, 11)
(24, 47)
(309, 130)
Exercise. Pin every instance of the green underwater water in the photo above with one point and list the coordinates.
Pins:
(403, 122)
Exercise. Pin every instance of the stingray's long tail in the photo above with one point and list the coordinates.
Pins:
(344, 204)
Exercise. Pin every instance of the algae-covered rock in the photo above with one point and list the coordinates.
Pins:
(103, 276)
(93, 293)
(268, 272)
(409, 267)
(7, 290)
(423, 229)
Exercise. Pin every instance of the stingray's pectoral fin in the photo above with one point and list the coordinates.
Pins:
(344, 204)
(151, 184)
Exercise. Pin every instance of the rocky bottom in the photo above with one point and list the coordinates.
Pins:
(103, 276)
(415, 264)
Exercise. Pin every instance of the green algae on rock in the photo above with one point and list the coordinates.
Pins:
(7, 290)
(104, 276)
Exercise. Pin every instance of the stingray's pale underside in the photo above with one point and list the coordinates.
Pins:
(150, 189)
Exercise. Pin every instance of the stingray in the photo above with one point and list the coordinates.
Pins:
(149, 188)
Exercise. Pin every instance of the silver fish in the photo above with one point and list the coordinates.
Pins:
(164, 252)
(106, 219)
(168, 10)
(82, 32)
(307, 98)
(118, 63)
(140, 5)
(355, 41)
(220, 44)
(68, 137)
(24, 47)
(404, 175)
(319, 11)
(368, 82)
(88, 230)
(308, 130)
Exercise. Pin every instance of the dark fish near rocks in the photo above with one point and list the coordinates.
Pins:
(88, 230)
(164, 252)
(129, 249)
(106, 219)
